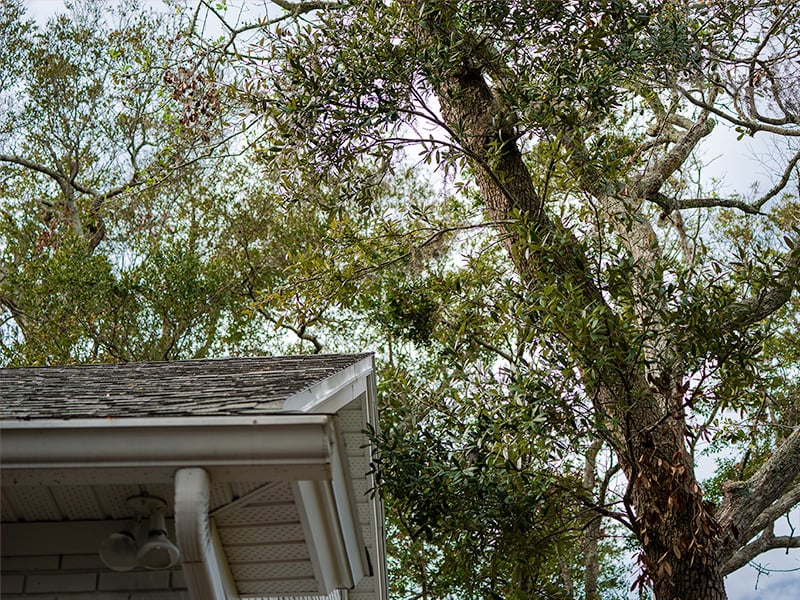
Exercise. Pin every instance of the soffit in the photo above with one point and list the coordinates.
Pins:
(258, 524)
(266, 542)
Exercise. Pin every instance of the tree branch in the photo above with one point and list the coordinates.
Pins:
(59, 178)
(63, 180)
(745, 502)
(303, 6)
(668, 204)
(301, 332)
(787, 173)
(744, 314)
(782, 506)
(767, 541)
(750, 125)
(650, 183)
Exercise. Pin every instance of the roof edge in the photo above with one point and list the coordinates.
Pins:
(333, 392)
(275, 440)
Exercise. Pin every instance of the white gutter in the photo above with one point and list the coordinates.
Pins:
(280, 447)
(205, 567)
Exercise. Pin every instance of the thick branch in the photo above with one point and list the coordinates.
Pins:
(28, 164)
(591, 533)
(766, 542)
(301, 6)
(782, 506)
(744, 314)
(650, 183)
(63, 180)
(668, 204)
(746, 501)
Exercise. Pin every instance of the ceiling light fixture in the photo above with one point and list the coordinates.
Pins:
(120, 551)
(158, 552)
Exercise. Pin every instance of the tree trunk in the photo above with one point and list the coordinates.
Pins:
(689, 584)
(591, 532)
(678, 535)
(676, 531)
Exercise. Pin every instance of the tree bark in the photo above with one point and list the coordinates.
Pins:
(675, 529)
(591, 533)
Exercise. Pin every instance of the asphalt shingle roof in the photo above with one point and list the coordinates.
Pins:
(212, 387)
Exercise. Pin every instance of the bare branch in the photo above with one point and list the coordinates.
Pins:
(775, 190)
(749, 124)
(746, 501)
(235, 32)
(767, 541)
(751, 85)
(669, 204)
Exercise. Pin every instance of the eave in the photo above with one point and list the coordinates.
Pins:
(298, 448)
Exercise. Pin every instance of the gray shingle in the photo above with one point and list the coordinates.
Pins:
(213, 387)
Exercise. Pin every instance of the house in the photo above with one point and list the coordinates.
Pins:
(203, 479)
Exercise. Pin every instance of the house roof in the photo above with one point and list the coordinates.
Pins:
(279, 442)
(212, 387)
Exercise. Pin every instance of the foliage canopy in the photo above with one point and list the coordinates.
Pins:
(506, 199)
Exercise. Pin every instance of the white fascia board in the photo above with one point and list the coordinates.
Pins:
(334, 392)
(329, 516)
(275, 441)
(379, 563)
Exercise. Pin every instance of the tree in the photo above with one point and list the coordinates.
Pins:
(116, 232)
(135, 226)
(564, 322)
(655, 309)
(95, 147)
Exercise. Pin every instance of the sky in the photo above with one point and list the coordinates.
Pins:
(782, 584)
(746, 161)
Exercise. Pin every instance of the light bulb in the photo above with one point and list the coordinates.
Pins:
(158, 552)
(118, 551)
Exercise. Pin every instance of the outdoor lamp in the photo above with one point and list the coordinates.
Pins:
(158, 552)
(118, 551)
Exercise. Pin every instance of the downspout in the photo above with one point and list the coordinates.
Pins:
(205, 567)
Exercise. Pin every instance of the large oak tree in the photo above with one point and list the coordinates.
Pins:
(668, 307)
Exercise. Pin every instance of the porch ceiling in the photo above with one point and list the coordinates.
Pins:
(58, 531)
